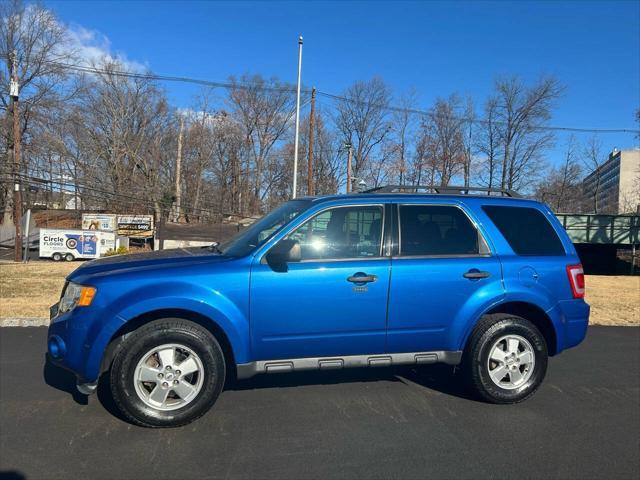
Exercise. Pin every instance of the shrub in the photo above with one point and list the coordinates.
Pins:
(111, 252)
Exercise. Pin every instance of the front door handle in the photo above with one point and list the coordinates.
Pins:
(475, 274)
(361, 278)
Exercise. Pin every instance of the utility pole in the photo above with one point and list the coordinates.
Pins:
(178, 169)
(349, 148)
(310, 159)
(17, 193)
(295, 143)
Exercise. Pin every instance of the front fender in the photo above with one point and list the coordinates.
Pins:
(209, 303)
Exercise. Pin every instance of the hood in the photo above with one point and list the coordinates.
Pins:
(147, 260)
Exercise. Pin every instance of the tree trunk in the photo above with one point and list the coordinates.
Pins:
(503, 183)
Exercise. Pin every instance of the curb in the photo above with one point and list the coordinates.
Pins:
(24, 322)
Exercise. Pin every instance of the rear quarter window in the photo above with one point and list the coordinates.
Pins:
(526, 229)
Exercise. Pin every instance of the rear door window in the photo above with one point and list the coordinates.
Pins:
(440, 230)
(527, 230)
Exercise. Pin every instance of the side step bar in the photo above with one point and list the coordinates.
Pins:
(248, 370)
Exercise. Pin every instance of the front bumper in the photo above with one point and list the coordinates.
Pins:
(77, 340)
(86, 388)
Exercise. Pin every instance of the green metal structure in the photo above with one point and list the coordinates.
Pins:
(602, 229)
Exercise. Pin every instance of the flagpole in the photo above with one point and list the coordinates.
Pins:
(295, 152)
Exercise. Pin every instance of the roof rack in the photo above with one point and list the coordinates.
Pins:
(443, 190)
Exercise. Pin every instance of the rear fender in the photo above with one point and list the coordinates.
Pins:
(535, 297)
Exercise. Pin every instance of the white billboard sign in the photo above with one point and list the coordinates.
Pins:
(99, 221)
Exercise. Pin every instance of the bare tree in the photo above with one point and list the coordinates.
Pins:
(417, 166)
(469, 115)
(40, 43)
(443, 140)
(522, 112)
(264, 111)
(593, 159)
(562, 187)
(488, 145)
(402, 123)
(131, 135)
(362, 121)
(327, 164)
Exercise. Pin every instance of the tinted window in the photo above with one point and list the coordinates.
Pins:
(526, 229)
(346, 232)
(436, 230)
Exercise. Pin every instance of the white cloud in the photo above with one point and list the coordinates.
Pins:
(93, 47)
(90, 47)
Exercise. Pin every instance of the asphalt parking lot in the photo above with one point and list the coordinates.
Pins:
(383, 423)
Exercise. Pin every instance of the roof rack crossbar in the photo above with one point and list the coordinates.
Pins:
(444, 190)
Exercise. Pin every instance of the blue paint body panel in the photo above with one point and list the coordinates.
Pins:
(311, 310)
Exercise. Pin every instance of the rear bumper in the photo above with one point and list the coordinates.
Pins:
(572, 319)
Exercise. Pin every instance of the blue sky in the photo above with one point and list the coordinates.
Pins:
(435, 47)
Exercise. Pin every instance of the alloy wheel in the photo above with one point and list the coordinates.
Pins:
(169, 377)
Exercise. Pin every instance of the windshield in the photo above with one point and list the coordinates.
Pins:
(262, 230)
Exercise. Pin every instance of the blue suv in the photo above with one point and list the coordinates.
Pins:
(489, 283)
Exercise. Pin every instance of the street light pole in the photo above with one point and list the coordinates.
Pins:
(295, 143)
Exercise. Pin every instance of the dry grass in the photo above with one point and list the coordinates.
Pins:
(614, 300)
(27, 291)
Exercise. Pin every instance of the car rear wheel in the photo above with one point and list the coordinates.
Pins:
(69, 257)
(167, 373)
(506, 359)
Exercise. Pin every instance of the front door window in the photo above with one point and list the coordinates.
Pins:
(341, 233)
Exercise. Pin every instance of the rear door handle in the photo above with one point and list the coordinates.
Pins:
(475, 274)
(361, 278)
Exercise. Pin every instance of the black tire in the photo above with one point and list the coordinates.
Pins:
(475, 364)
(141, 341)
(56, 257)
(69, 257)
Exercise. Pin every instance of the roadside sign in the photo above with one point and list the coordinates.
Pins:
(99, 221)
(124, 225)
(135, 225)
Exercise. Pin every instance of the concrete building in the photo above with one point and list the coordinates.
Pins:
(615, 186)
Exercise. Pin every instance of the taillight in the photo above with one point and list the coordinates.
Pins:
(576, 280)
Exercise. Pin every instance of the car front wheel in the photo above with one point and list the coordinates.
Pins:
(506, 359)
(167, 373)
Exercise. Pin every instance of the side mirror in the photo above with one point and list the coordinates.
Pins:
(283, 252)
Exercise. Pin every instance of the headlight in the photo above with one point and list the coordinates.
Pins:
(76, 295)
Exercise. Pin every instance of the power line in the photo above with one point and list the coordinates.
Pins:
(137, 200)
(173, 78)
(291, 89)
(475, 120)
